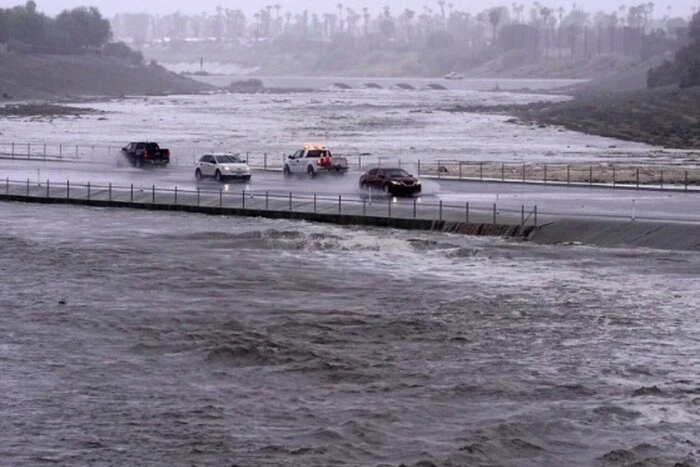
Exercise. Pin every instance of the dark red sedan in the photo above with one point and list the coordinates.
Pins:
(391, 180)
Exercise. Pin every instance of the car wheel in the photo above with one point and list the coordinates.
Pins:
(198, 175)
(286, 171)
(217, 175)
(310, 171)
(363, 185)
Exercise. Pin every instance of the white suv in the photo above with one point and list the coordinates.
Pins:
(222, 166)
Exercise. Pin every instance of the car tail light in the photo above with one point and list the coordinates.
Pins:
(145, 154)
(167, 153)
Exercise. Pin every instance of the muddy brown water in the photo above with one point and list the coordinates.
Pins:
(134, 338)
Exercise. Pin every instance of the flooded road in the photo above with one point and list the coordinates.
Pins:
(134, 338)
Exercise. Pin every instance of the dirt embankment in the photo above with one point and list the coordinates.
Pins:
(668, 117)
(71, 76)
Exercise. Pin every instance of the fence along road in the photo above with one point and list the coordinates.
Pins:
(387, 211)
(685, 177)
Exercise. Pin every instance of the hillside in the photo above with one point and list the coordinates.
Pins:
(668, 117)
(67, 76)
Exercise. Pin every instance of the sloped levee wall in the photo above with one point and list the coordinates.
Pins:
(658, 235)
(500, 230)
(670, 236)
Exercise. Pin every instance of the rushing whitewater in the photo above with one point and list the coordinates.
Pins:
(136, 338)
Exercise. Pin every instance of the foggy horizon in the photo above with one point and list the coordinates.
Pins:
(681, 8)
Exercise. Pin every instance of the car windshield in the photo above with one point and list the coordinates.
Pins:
(396, 173)
(229, 159)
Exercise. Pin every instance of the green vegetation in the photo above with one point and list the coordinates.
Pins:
(24, 29)
(685, 69)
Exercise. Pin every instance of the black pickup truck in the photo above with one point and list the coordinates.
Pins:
(140, 154)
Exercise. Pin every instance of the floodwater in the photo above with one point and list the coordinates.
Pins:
(137, 338)
(379, 124)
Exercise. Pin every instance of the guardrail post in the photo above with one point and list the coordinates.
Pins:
(44, 151)
(360, 162)
(290, 200)
(29, 150)
(590, 175)
(267, 200)
(221, 197)
(88, 194)
(522, 214)
(662, 179)
(523, 173)
(153, 194)
(481, 171)
(414, 207)
(614, 177)
(535, 215)
(60, 151)
(440, 211)
(494, 213)
(364, 206)
(438, 169)
(460, 170)
(198, 196)
(503, 172)
(418, 166)
(568, 176)
(243, 198)
(68, 189)
(637, 177)
(246, 157)
(7, 185)
(686, 180)
(13, 150)
(389, 208)
(340, 203)
(47, 187)
(265, 161)
(545, 174)
(466, 213)
(132, 193)
(27, 188)
(176, 196)
(110, 191)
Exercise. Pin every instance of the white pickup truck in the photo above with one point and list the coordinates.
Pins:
(312, 160)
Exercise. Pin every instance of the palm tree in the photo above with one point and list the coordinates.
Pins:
(340, 15)
(545, 12)
(494, 18)
(442, 11)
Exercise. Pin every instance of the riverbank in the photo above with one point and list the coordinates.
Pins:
(72, 77)
(667, 117)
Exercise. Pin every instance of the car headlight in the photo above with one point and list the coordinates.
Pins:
(394, 182)
(227, 168)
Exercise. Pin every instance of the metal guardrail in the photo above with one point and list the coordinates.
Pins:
(615, 175)
(227, 197)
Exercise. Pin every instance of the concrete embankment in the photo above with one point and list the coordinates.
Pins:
(659, 235)
(480, 229)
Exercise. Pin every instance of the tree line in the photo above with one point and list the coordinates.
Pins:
(684, 70)
(436, 39)
(25, 29)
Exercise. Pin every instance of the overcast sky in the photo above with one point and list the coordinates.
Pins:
(110, 7)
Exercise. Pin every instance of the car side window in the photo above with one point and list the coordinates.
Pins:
(373, 172)
(209, 159)
(297, 155)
